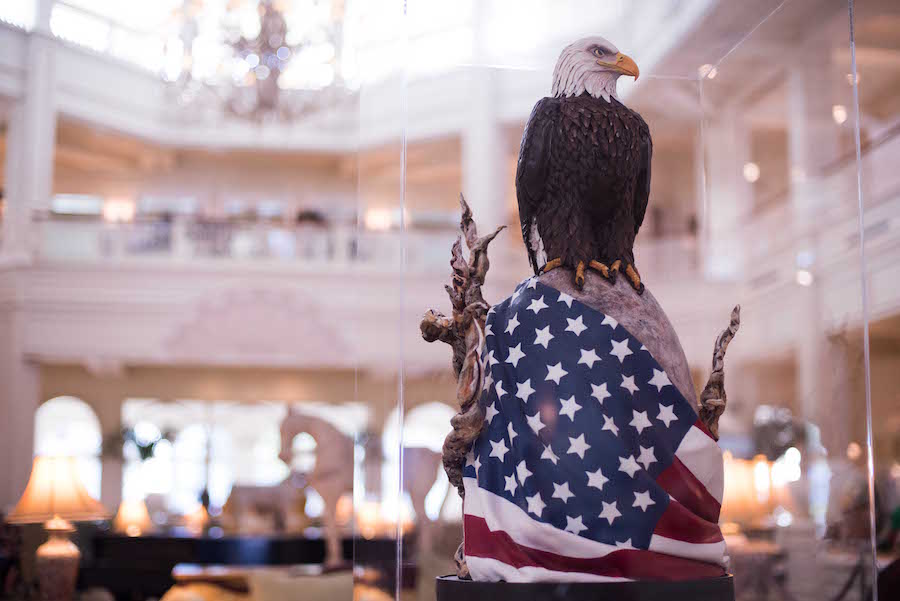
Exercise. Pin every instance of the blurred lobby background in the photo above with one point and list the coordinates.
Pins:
(217, 214)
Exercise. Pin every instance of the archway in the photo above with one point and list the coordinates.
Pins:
(66, 425)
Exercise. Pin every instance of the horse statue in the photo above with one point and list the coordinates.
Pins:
(420, 472)
(332, 475)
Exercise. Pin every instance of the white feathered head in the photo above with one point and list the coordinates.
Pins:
(591, 65)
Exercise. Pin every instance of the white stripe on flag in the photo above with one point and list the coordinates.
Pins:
(700, 454)
(708, 552)
(502, 515)
(484, 569)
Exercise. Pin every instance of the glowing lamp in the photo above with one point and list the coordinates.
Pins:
(133, 518)
(55, 497)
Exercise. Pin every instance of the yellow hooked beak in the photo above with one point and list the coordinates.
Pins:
(624, 65)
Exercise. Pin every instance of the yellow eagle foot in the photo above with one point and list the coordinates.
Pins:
(609, 272)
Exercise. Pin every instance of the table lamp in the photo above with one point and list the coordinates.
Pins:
(133, 518)
(54, 496)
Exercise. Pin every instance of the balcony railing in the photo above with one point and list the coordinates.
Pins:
(335, 247)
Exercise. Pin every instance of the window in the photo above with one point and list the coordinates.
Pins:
(178, 449)
(67, 425)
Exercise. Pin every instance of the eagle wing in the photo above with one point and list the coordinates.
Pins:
(642, 187)
(534, 165)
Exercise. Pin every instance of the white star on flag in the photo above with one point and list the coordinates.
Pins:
(576, 325)
(600, 392)
(516, 293)
(639, 420)
(515, 353)
(536, 504)
(510, 484)
(488, 380)
(535, 422)
(609, 321)
(644, 348)
(647, 457)
(575, 525)
(522, 472)
(532, 283)
(488, 329)
(524, 390)
(561, 491)
(492, 310)
(597, 479)
(620, 350)
(629, 385)
(474, 461)
(537, 305)
(555, 373)
(512, 324)
(659, 379)
(609, 424)
(491, 413)
(543, 336)
(549, 454)
(667, 414)
(511, 431)
(588, 357)
(499, 389)
(569, 407)
(609, 512)
(491, 361)
(565, 298)
(629, 465)
(643, 500)
(625, 544)
(578, 446)
(499, 449)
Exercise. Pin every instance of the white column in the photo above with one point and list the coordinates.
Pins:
(728, 195)
(813, 141)
(484, 153)
(31, 131)
(19, 400)
(31, 139)
(813, 137)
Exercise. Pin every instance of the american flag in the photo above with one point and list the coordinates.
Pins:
(591, 464)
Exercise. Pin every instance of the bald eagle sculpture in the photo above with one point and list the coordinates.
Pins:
(583, 178)
(580, 449)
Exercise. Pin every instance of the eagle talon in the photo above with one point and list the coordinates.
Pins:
(614, 270)
(634, 278)
(601, 267)
(579, 275)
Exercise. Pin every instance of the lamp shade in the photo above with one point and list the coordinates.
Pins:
(55, 490)
(133, 518)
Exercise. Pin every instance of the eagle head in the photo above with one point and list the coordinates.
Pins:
(591, 65)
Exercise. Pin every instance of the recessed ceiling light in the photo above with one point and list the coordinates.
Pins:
(839, 113)
(751, 172)
(804, 277)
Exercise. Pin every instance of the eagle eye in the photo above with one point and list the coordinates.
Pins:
(598, 51)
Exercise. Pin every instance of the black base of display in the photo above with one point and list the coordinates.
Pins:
(451, 588)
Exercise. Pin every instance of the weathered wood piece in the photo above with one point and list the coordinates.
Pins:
(464, 332)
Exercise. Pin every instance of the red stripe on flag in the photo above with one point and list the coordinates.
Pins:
(636, 564)
(680, 524)
(682, 484)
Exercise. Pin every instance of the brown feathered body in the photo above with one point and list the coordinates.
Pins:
(583, 180)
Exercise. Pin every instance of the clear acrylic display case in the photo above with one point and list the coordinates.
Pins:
(771, 188)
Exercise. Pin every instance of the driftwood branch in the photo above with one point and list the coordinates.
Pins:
(713, 398)
(463, 330)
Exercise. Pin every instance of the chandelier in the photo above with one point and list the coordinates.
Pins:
(258, 60)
